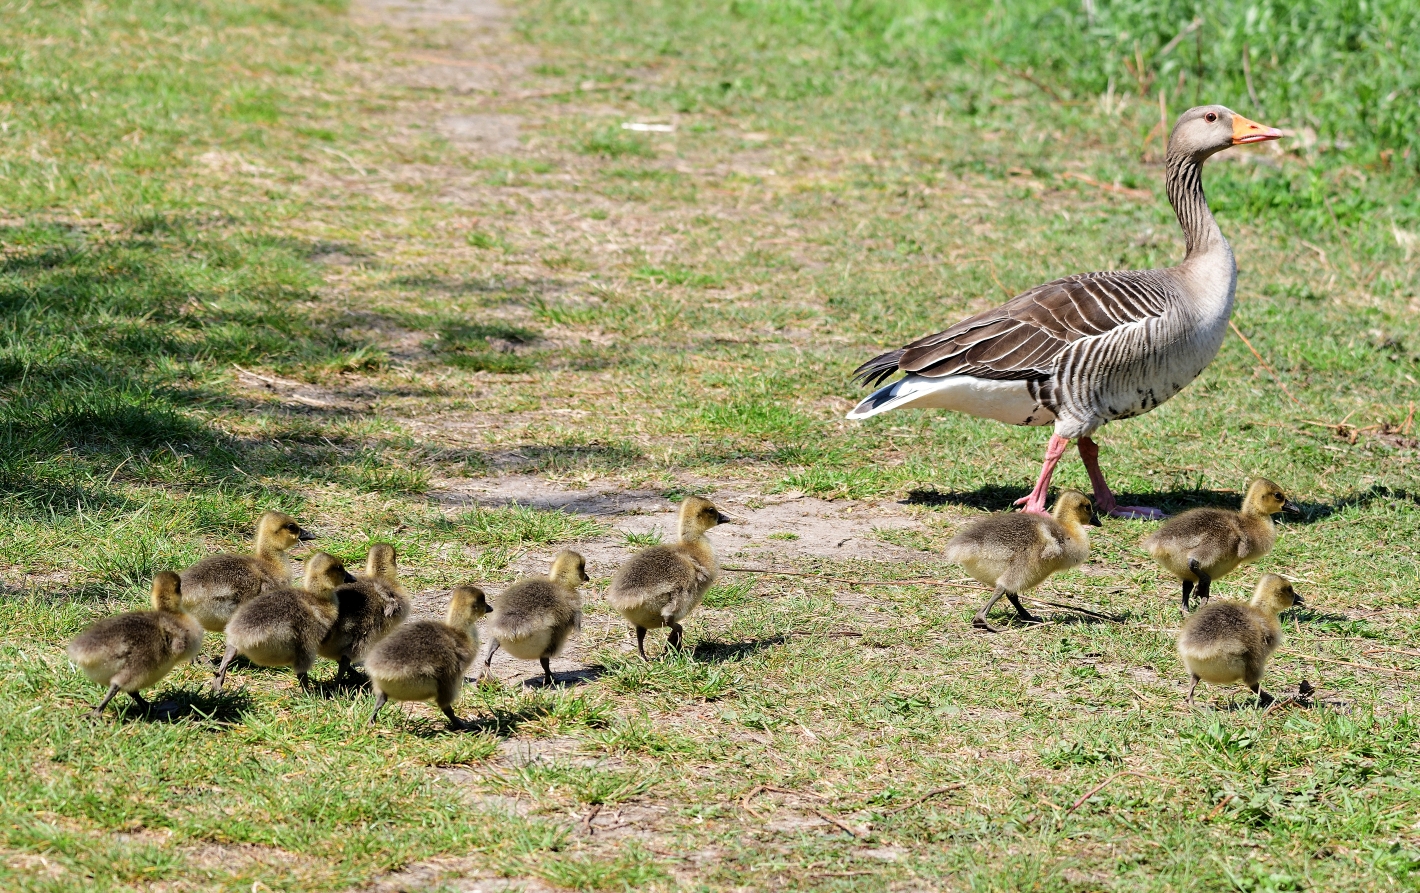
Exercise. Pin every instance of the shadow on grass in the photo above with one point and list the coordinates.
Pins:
(199, 704)
(725, 652)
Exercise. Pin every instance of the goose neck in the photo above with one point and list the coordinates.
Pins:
(1184, 178)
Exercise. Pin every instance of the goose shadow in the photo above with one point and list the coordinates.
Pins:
(567, 678)
(725, 652)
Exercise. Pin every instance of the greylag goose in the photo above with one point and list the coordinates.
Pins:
(661, 585)
(1201, 545)
(132, 651)
(1091, 348)
(534, 618)
(1226, 641)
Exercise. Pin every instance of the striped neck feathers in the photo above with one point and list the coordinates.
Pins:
(1184, 178)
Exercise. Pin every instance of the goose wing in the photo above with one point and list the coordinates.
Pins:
(1022, 338)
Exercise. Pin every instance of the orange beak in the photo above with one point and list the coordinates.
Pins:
(1245, 131)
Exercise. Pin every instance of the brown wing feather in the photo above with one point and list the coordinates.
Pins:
(1022, 338)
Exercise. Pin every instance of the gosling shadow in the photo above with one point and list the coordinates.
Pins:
(200, 704)
(567, 678)
(712, 652)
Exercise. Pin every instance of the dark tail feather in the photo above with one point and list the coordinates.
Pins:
(878, 369)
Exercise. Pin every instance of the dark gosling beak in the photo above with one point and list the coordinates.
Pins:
(1291, 508)
(728, 519)
(305, 536)
(1095, 520)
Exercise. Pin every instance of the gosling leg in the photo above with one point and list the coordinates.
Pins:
(641, 642)
(98, 711)
(305, 679)
(379, 703)
(677, 634)
(1263, 698)
(455, 724)
(979, 621)
(1190, 691)
(488, 662)
(1204, 581)
(1021, 612)
(221, 678)
(546, 671)
(140, 702)
(1187, 589)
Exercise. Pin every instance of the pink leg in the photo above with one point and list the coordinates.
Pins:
(1035, 502)
(1105, 502)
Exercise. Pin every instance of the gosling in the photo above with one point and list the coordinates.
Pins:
(284, 627)
(661, 585)
(133, 651)
(213, 588)
(1226, 641)
(1015, 552)
(533, 618)
(1201, 545)
(425, 660)
(369, 608)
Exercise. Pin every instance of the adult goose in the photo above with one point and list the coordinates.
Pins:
(1091, 348)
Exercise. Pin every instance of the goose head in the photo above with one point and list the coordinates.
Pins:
(278, 531)
(699, 515)
(1275, 594)
(467, 605)
(1266, 498)
(381, 563)
(1206, 129)
(569, 569)
(167, 592)
(1073, 507)
(324, 573)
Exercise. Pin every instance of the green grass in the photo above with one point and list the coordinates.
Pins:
(241, 268)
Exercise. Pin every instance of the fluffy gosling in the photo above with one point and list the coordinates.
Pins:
(1016, 551)
(369, 608)
(132, 651)
(214, 587)
(533, 618)
(284, 627)
(661, 585)
(1225, 642)
(425, 660)
(1201, 545)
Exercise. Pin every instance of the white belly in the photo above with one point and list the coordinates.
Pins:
(1004, 401)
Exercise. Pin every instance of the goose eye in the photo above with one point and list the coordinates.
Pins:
(1210, 117)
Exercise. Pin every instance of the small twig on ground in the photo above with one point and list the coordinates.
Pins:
(1275, 377)
(907, 582)
(768, 788)
(925, 797)
(346, 158)
(1247, 76)
(1102, 785)
(1347, 663)
(560, 91)
(847, 828)
(591, 814)
(264, 378)
(1140, 194)
(1219, 808)
(1040, 601)
(1380, 648)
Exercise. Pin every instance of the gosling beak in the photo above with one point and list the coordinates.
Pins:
(1291, 508)
(1095, 520)
(1245, 131)
(1297, 601)
(728, 519)
(305, 536)
(350, 578)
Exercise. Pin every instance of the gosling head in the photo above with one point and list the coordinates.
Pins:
(1206, 129)
(698, 515)
(324, 573)
(467, 605)
(279, 531)
(1266, 498)
(1275, 594)
(569, 569)
(167, 592)
(381, 563)
(1074, 507)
